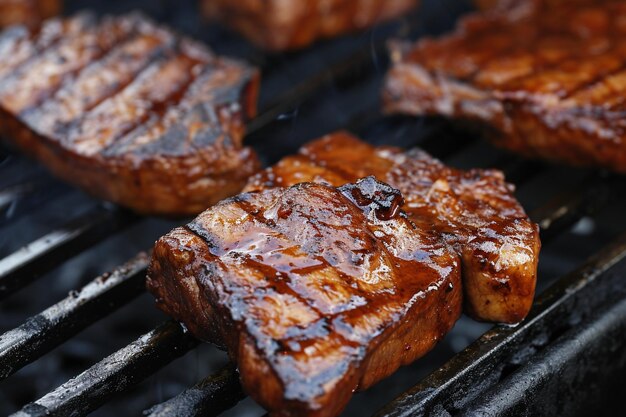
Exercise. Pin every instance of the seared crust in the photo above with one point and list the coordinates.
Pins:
(27, 12)
(284, 24)
(475, 212)
(314, 291)
(547, 77)
(128, 111)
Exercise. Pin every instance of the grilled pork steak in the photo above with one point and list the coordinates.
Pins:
(313, 290)
(286, 24)
(27, 12)
(128, 111)
(474, 211)
(547, 77)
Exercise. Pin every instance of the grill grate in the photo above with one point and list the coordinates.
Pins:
(307, 94)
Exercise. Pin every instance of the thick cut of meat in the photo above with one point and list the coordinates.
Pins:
(474, 211)
(287, 24)
(313, 290)
(547, 78)
(128, 111)
(27, 12)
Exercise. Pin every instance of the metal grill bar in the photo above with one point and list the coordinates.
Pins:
(209, 397)
(25, 265)
(114, 374)
(483, 363)
(594, 351)
(41, 333)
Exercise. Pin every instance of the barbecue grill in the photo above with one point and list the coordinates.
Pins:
(104, 348)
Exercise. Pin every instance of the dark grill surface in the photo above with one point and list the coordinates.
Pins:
(73, 343)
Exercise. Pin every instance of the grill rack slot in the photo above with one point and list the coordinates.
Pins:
(42, 332)
(209, 397)
(115, 373)
(26, 264)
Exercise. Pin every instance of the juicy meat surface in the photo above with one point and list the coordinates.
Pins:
(313, 290)
(128, 111)
(474, 211)
(286, 24)
(27, 12)
(546, 78)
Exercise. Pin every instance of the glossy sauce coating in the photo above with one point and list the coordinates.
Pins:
(129, 111)
(546, 78)
(315, 291)
(474, 211)
(285, 24)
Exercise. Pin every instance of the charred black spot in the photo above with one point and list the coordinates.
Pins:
(385, 200)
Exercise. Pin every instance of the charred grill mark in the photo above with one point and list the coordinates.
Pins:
(11, 39)
(63, 129)
(524, 44)
(538, 68)
(41, 40)
(71, 91)
(86, 22)
(45, 75)
(598, 80)
(615, 36)
(70, 77)
(156, 55)
(486, 59)
(279, 281)
(154, 107)
(156, 129)
(277, 277)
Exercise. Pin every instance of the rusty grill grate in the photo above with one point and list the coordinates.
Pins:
(573, 332)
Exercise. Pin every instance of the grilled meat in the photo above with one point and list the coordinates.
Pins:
(27, 12)
(284, 24)
(313, 290)
(474, 211)
(498, 4)
(546, 78)
(128, 111)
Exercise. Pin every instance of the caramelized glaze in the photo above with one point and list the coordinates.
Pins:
(129, 111)
(546, 78)
(474, 211)
(315, 291)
